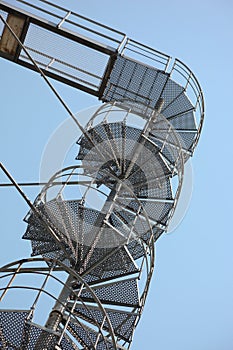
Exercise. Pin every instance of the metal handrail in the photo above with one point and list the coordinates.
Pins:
(192, 82)
(66, 19)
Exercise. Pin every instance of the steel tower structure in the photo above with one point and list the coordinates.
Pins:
(95, 223)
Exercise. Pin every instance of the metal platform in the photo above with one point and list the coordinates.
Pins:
(101, 61)
(69, 47)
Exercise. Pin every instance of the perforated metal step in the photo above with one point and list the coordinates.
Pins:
(118, 264)
(122, 321)
(89, 338)
(17, 332)
(124, 293)
(113, 150)
(12, 325)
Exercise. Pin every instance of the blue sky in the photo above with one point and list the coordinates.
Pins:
(190, 303)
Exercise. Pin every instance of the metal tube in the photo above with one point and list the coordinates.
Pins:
(22, 184)
(83, 17)
(55, 316)
(11, 280)
(14, 183)
(58, 309)
(63, 19)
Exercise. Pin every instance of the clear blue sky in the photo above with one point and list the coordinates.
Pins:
(190, 303)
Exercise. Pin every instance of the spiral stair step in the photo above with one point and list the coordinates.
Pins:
(124, 293)
(122, 321)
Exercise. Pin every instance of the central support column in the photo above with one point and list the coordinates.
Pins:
(45, 341)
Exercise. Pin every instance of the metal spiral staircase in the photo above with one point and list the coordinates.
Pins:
(95, 223)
